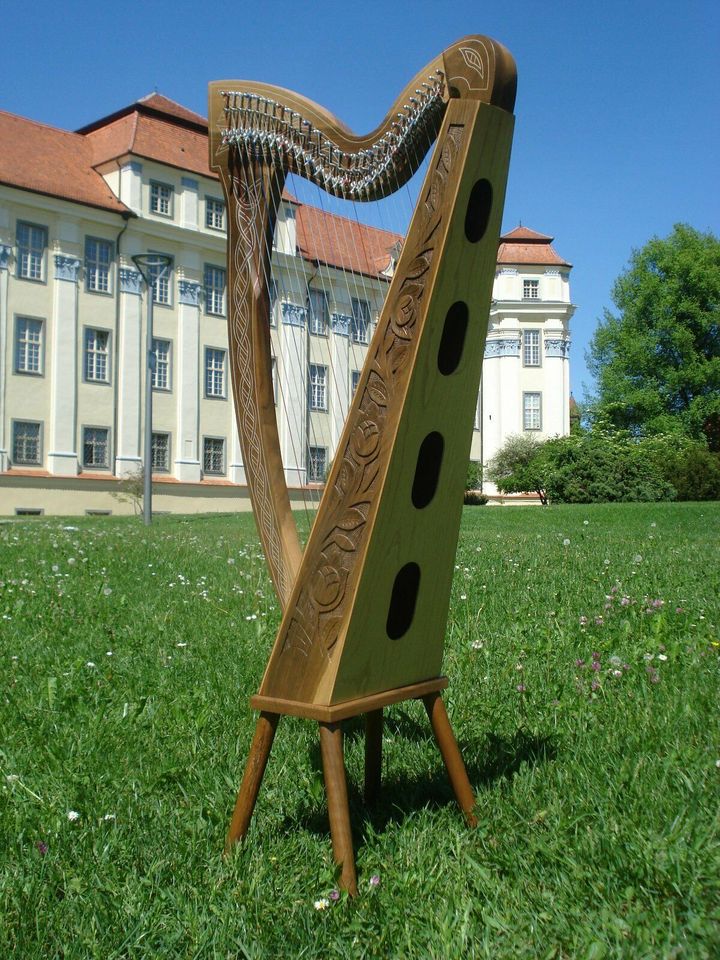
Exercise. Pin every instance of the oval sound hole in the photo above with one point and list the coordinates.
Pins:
(478, 210)
(453, 338)
(427, 469)
(402, 602)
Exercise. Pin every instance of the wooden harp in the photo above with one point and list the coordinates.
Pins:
(365, 604)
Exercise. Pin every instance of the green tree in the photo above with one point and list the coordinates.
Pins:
(517, 467)
(656, 362)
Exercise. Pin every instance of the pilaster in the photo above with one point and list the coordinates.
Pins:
(293, 408)
(339, 388)
(62, 455)
(188, 365)
(5, 254)
(130, 366)
(189, 204)
(131, 185)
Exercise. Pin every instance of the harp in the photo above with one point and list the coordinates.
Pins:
(364, 605)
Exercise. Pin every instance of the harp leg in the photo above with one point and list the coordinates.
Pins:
(451, 755)
(331, 745)
(373, 754)
(254, 772)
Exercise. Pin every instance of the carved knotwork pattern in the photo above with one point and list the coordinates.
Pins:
(249, 197)
(354, 495)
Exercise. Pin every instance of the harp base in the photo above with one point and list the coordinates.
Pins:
(331, 745)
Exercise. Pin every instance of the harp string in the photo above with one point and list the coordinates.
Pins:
(293, 284)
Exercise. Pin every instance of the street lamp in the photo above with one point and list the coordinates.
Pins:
(152, 267)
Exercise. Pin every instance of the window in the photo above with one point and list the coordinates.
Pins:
(161, 452)
(214, 372)
(531, 289)
(31, 244)
(215, 290)
(318, 387)
(214, 213)
(161, 199)
(531, 348)
(160, 277)
(354, 381)
(532, 411)
(319, 314)
(360, 320)
(160, 361)
(26, 442)
(214, 455)
(98, 257)
(97, 351)
(28, 345)
(317, 464)
(95, 446)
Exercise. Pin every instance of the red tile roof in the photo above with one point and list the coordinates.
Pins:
(339, 242)
(54, 162)
(526, 246)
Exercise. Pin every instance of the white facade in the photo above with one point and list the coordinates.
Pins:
(73, 315)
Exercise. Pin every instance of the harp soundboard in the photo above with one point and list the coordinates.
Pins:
(365, 603)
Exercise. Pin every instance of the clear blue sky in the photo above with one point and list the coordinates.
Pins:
(618, 119)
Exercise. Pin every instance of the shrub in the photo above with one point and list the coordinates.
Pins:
(602, 467)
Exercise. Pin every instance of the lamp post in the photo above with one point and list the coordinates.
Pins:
(152, 267)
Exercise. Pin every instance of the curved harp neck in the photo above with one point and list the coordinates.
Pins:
(291, 132)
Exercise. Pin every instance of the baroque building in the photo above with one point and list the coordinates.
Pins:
(75, 207)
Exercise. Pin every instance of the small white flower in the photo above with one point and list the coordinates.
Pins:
(73, 815)
(322, 904)
(109, 653)
(12, 778)
(55, 568)
(477, 644)
(180, 644)
(617, 673)
(71, 561)
(231, 560)
(585, 522)
(717, 764)
(566, 542)
(662, 656)
(463, 596)
(90, 664)
(637, 558)
(107, 591)
(109, 816)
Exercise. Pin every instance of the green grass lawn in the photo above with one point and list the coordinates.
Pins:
(583, 654)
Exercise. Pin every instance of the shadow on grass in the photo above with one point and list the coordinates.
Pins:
(497, 758)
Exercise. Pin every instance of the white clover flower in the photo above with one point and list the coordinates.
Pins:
(662, 656)
(566, 542)
(322, 904)
(90, 664)
(637, 558)
(109, 816)
(73, 815)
